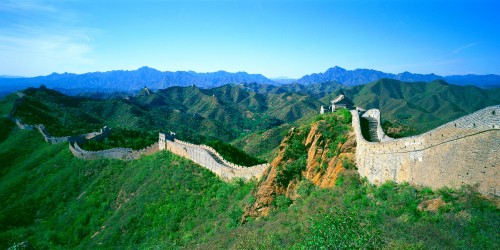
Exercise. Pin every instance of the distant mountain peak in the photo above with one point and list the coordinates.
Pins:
(132, 80)
(365, 76)
(149, 69)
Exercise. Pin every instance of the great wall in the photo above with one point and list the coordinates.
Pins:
(461, 152)
(210, 159)
(203, 155)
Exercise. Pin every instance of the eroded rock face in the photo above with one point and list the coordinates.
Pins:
(322, 168)
(268, 187)
(318, 158)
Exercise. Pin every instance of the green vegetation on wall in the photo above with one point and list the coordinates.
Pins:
(53, 200)
(124, 138)
(233, 154)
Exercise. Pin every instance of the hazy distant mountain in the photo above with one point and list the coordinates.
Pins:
(120, 80)
(7, 76)
(130, 81)
(284, 80)
(365, 76)
(482, 81)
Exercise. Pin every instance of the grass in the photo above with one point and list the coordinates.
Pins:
(233, 154)
(124, 138)
(54, 200)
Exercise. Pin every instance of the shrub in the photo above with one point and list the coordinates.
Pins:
(338, 229)
(233, 154)
(6, 126)
(290, 171)
(282, 202)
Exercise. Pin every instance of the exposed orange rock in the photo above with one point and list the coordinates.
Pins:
(268, 188)
(317, 160)
(431, 205)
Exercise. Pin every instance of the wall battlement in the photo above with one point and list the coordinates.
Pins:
(210, 159)
(201, 154)
(461, 152)
(126, 154)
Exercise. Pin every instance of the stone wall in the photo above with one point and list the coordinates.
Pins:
(114, 153)
(462, 152)
(103, 133)
(375, 114)
(201, 154)
(210, 159)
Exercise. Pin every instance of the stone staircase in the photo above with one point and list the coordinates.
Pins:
(372, 129)
(216, 158)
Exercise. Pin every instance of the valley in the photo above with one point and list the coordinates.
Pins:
(310, 188)
(265, 125)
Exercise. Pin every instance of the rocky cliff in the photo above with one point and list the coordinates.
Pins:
(318, 152)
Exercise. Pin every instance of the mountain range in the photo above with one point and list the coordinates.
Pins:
(310, 197)
(134, 80)
(250, 116)
(365, 76)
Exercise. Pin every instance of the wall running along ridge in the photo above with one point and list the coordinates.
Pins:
(203, 155)
(103, 133)
(126, 154)
(462, 152)
(208, 158)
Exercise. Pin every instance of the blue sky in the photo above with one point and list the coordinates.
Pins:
(275, 38)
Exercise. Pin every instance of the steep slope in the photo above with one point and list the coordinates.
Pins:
(318, 152)
(53, 200)
(241, 108)
(64, 115)
(49, 199)
(316, 90)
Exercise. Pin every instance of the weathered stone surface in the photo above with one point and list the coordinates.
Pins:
(210, 159)
(462, 152)
(114, 153)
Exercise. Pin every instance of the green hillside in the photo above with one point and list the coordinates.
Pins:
(421, 105)
(53, 200)
(227, 113)
(64, 115)
(241, 108)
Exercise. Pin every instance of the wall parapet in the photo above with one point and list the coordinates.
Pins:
(202, 154)
(210, 159)
(219, 156)
(113, 153)
(461, 152)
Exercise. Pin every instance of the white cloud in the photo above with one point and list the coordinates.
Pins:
(41, 38)
(456, 51)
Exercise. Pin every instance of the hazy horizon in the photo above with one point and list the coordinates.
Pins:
(252, 73)
(278, 39)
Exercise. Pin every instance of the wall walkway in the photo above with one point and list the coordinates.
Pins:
(203, 155)
(211, 160)
(126, 154)
(462, 152)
